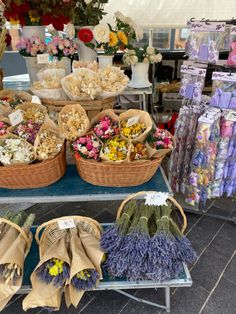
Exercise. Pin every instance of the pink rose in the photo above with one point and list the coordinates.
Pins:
(89, 146)
(82, 140)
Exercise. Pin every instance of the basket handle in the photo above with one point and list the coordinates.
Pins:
(168, 110)
(18, 228)
(76, 218)
(184, 226)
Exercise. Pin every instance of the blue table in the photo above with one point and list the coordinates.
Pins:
(71, 188)
(115, 284)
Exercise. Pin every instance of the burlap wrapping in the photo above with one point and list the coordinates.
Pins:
(144, 117)
(43, 295)
(5, 110)
(15, 248)
(50, 125)
(79, 261)
(63, 128)
(8, 136)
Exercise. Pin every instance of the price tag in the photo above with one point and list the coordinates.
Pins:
(231, 116)
(16, 117)
(156, 198)
(132, 121)
(36, 100)
(66, 224)
(43, 58)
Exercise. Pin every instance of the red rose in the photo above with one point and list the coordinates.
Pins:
(85, 35)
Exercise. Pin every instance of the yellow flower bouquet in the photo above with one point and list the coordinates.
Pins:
(116, 150)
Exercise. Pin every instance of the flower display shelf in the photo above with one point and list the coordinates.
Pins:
(116, 284)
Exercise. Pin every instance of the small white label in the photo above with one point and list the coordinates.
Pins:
(36, 100)
(132, 121)
(156, 198)
(16, 117)
(224, 76)
(66, 224)
(231, 116)
(43, 58)
(204, 26)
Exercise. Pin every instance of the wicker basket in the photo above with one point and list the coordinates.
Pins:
(115, 174)
(92, 107)
(34, 175)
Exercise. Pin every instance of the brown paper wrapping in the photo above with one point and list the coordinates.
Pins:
(108, 112)
(50, 125)
(91, 246)
(127, 159)
(43, 295)
(5, 110)
(159, 153)
(39, 107)
(62, 125)
(15, 248)
(79, 262)
(144, 117)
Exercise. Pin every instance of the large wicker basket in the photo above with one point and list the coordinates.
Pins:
(34, 175)
(92, 107)
(116, 174)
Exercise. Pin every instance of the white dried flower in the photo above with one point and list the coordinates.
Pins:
(87, 1)
(101, 33)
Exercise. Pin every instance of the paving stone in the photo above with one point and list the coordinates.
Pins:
(15, 306)
(204, 232)
(109, 302)
(230, 272)
(223, 299)
(188, 300)
(152, 295)
(104, 217)
(208, 269)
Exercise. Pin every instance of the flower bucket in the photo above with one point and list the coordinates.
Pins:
(33, 68)
(65, 63)
(86, 53)
(29, 31)
(139, 77)
(105, 61)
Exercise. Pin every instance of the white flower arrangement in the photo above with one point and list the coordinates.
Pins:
(127, 20)
(82, 84)
(145, 55)
(16, 151)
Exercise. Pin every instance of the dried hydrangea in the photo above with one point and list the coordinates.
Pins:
(15, 151)
(74, 123)
(49, 144)
(112, 79)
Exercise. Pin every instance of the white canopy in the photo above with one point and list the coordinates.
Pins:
(170, 13)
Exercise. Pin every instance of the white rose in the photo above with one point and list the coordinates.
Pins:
(130, 52)
(70, 30)
(133, 60)
(120, 16)
(158, 57)
(87, 1)
(101, 33)
(152, 58)
(150, 50)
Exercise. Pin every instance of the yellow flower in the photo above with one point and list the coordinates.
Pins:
(33, 18)
(14, 22)
(122, 37)
(113, 39)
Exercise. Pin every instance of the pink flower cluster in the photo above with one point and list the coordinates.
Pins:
(60, 47)
(31, 47)
(87, 146)
(3, 128)
(161, 139)
(106, 128)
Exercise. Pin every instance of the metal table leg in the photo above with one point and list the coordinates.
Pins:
(167, 299)
(144, 102)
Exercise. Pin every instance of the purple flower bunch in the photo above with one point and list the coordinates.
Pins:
(30, 47)
(137, 253)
